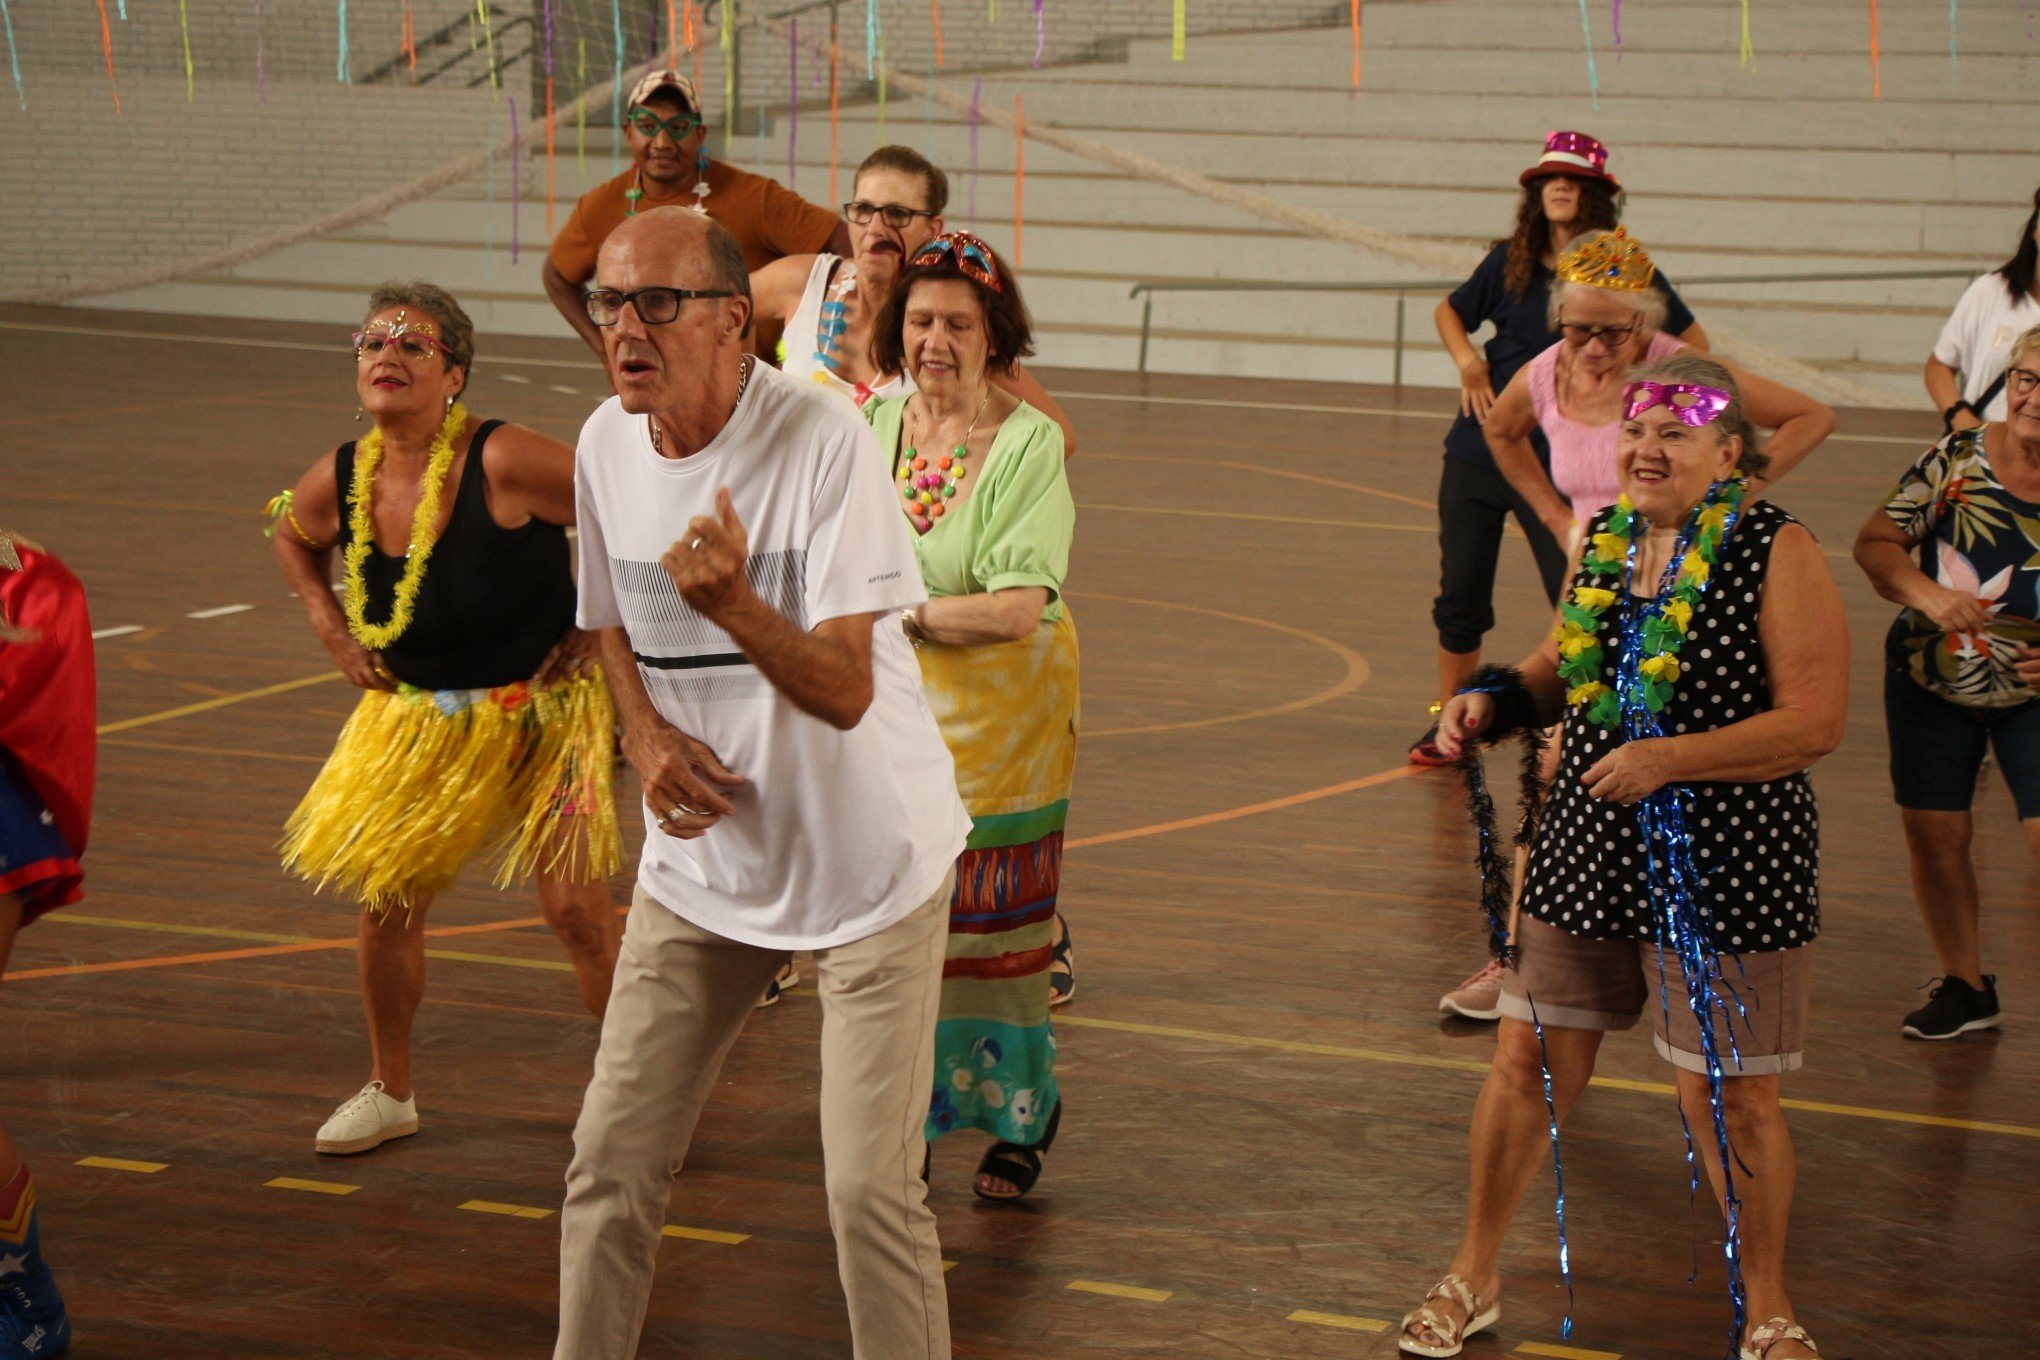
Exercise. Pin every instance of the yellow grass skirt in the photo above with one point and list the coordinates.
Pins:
(422, 779)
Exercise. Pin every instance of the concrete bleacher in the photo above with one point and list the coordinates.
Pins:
(1787, 166)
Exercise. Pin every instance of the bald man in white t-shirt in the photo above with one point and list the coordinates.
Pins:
(743, 562)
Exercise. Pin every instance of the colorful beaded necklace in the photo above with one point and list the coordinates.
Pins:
(926, 485)
(1646, 673)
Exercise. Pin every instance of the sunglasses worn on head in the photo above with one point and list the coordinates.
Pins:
(972, 256)
(649, 125)
(895, 214)
(1691, 403)
(414, 346)
(655, 306)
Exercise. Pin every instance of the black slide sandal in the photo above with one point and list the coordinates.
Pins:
(1020, 1165)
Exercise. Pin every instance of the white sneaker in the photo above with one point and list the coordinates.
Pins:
(368, 1120)
(1477, 998)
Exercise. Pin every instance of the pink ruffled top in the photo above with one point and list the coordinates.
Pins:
(1582, 456)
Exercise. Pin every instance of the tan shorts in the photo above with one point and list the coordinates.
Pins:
(1578, 983)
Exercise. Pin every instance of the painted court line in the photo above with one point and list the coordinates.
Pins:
(122, 631)
(1564, 1352)
(224, 701)
(1339, 1320)
(220, 611)
(314, 1187)
(122, 1164)
(489, 1206)
(728, 1239)
(1122, 1291)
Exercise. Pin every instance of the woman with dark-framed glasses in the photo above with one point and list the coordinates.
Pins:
(1609, 314)
(484, 725)
(829, 303)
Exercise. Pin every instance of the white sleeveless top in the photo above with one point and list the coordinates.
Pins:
(803, 338)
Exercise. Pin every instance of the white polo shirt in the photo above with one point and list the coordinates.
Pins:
(836, 835)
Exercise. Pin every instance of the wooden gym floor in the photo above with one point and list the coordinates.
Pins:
(1265, 1148)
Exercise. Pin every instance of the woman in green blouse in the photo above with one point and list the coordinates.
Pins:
(982, 490)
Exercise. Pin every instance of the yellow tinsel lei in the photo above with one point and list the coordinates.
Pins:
(361, 533)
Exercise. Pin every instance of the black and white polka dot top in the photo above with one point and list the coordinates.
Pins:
(1757, 846)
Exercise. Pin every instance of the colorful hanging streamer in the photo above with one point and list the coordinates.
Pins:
(184, 31)
(1356, 45)
(1041, 30)
(488, 38)
(1747, 51)
(123, 11)
(616, 87)
(545, 11)
(792, 99)
(13, 59)
(261, 74)
(1615, 22)
(728, 38)
(1954, 60)
(1178, 26)
(976, 89)
(1876, 60)
(106, 46)
(340, 70)
(884, 70)
(870, 37)
(835, 117)
(1019, 169)
(935, 18)
(409, 37)
(516, 177)
(672, 37)
(1593, 76)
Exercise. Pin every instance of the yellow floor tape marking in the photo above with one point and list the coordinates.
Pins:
(122, 1164)
(728, 1239)
(167, 928)
(1351, 1324)
(1564, 1352)
(316, 1187)
(1121, 1291)
(1652, 1088)
(127, 724)
(487, 1206)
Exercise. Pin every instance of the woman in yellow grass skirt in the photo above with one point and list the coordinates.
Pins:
(982, 489)
(484, 725)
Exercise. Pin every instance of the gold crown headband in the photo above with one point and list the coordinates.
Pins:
(1615, 261)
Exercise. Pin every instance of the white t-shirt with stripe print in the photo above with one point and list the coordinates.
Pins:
(836, 835)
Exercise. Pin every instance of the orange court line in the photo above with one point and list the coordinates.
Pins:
(308, 946)
(1250, 810)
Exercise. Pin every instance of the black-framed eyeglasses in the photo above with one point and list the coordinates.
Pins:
(895, 214)
(649, 125)
(2020, 381)
(1611, 336)
(655, 306)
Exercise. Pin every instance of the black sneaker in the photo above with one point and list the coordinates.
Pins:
(1954, 1008)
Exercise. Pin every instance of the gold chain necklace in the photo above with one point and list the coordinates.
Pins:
(743, 381)
(361, 533)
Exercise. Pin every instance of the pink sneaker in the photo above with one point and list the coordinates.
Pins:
(1477, 998)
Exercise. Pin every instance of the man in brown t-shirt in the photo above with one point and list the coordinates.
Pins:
(670, 165)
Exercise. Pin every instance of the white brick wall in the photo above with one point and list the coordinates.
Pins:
(177, 176)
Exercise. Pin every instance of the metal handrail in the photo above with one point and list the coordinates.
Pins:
(1402, 288)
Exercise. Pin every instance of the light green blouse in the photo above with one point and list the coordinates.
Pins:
(1014, 530)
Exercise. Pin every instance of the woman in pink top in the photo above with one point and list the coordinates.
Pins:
(1608, 314)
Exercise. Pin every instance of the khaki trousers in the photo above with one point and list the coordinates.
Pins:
(682, 995)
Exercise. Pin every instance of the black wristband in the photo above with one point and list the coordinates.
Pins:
(1948, 416)
(1515, 709)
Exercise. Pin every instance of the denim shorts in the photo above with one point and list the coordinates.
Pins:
(1937, 747)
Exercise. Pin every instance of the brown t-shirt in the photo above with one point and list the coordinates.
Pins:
(768, 220)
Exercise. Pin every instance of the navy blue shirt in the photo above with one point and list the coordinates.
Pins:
(1522, 333)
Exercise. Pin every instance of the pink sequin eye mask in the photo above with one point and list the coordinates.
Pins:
(1692, 403)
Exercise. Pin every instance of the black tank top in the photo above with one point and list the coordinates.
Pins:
(493, 601)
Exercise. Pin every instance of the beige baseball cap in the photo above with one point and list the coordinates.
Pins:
(656, 81)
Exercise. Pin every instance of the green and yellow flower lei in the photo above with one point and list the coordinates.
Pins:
(1667, 618)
